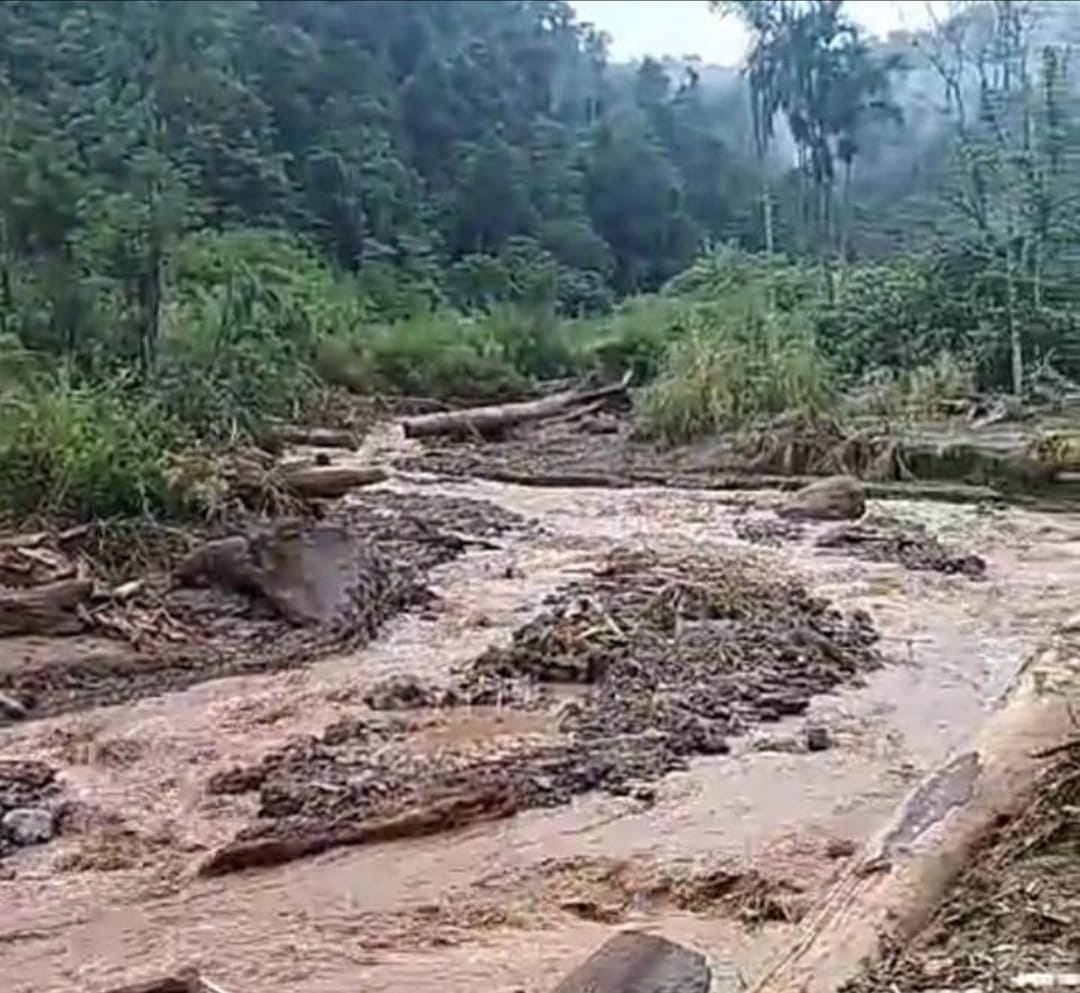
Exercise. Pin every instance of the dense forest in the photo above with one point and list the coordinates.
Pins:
(209, 208)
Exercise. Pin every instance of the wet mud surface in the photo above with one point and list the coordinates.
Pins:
(678, 652)
(435, 731)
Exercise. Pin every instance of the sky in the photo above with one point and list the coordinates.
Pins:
(686, 27)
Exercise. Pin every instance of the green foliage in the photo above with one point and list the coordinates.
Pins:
(737, 364)
(81, 453)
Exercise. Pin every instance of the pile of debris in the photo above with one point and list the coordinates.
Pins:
(677, 653)
(694, 647)
(270, 598)
(882, 538)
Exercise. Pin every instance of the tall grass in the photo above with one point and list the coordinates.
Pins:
(78, 453)
(740, 363)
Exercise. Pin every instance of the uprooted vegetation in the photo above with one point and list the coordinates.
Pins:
(673, 655)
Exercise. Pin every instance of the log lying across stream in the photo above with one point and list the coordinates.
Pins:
(487, 421)
(892, 890)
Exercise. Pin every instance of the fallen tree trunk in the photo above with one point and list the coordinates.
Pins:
(485, 421)
(892, 890)
(48, 609)
(469, 807)
(329, 481)
(297, 434)
(633, 962)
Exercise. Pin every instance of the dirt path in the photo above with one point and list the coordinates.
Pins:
(728, 850)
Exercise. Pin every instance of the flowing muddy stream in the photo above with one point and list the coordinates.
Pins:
(723, 857)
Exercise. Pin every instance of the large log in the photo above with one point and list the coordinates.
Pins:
(330, 481)
(298, 434)
(892, 890)
(485, 421)
(47, 609)
(633, 962)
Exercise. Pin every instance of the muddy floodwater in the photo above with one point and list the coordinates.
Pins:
(723, 855)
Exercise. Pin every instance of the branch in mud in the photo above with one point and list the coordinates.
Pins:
(484, 422)
(440, 815)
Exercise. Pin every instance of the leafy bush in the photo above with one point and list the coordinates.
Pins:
(251, 307)
(80, 453)
(734, 367)
(438, 355)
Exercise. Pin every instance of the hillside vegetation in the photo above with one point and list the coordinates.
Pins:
(212, 211)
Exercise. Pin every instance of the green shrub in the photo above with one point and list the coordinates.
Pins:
(734, 367)
(80, 453)
(441, 355)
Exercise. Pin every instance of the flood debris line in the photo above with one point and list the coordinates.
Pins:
(882, 538)
(267, 599)
(772, 531)
(28, 793)
(1013, 915)
(675, 653)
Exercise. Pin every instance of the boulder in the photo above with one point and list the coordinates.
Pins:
(835, 498)
(28, 825)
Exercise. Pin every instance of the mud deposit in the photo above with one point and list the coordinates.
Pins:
(215, 619)
(1014, 913)
(579, 675)
(678, 654)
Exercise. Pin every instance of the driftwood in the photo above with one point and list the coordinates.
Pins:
(486, 421)
(298, 434)
(489, 803)
(633, 962)
(47, 609)
(329, 481)
(892, 890)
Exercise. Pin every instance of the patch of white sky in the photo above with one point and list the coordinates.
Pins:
(687, 27)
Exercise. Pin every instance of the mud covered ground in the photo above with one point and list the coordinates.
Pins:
(1012, 921)
(624, 713)
(676, 653)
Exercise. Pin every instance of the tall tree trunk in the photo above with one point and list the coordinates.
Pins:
(1015, 346)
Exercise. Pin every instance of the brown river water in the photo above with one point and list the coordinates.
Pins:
(512, 905)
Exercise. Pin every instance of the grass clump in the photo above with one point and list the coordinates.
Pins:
(82, 453)
(733, 369)
(448, 356)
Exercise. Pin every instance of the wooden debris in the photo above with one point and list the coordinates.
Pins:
(296, 434)
(469, 807)
(47, 609)
(330, 481)
(634, 962)
(488, 421)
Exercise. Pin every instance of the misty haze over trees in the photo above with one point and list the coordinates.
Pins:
(204, 205)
